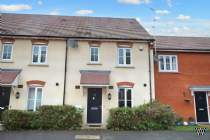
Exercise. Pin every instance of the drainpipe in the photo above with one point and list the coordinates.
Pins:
(65, 71)
(150, 77)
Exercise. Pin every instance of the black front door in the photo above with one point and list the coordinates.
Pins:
(201, 107)
(94, 105)
(4, 97)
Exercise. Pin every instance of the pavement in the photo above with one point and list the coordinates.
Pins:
(101, 135)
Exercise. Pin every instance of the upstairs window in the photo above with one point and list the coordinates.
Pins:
(124, 56)
(125, 97)
(94, 54)
(39, 54)
(168, 63)
(7, 51)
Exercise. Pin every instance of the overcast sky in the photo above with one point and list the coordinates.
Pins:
(159, 17)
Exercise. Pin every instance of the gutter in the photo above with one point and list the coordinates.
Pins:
(65, 71)
(150, 73)
(80, 38)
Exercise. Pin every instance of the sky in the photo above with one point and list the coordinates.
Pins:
(159, 17)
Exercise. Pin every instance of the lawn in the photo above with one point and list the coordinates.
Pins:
(191, 128)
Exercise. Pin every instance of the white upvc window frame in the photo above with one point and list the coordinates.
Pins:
(98, 55)
(35, 97)
(125, 96)
(39, 53)
(171, 63)
(124, 48)
(3, 49)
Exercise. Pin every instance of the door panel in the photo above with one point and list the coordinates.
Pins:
(94, 105)
(201, 107)
(4, 97)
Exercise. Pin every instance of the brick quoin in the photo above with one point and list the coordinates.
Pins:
(173, 88)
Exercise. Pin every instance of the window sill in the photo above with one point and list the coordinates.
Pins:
(39, 65)
(7, 61)
(129, 67)
(93, 63)
(172, 72)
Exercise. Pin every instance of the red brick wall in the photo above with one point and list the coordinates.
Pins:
(194, 69)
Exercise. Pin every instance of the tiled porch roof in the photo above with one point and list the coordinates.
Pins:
(94, 77)
(7, 76)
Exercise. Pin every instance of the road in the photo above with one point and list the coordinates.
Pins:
(100, 134)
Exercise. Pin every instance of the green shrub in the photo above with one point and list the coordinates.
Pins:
(14, 119)
(121, 119)
(60, 117)
(47, 117)
(153, 116)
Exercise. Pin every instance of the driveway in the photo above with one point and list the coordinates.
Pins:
(102, 135)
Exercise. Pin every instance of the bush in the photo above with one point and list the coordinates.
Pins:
(47, 117)
(14, 119)
(60, 117)
(153, 116)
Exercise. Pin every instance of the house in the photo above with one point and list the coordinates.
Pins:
(182, 71)
(92, 63)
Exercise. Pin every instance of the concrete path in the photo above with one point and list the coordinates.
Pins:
(100, 135)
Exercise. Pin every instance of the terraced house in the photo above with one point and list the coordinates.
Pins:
(90, 62)
(182, 76)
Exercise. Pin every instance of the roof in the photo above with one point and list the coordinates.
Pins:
(72, 27)
(7, 76)
(182, 43)
(94, 77)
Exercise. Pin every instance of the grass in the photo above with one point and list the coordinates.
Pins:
(190, 128)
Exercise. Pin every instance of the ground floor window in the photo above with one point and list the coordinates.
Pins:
(34, 98)
(125, 97)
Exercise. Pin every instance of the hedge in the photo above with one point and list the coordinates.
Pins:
(152, 116)
(47, 117)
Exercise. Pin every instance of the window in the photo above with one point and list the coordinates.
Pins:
(39, 54)
(34, 98)
(168, 63)
(94, 54)
(124, 56)
(125, 97)
(7, 51)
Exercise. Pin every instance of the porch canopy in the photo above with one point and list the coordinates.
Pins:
(200, 88)
(8, 77)
(94, 78)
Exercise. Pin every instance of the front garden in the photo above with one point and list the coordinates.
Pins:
(47, 117)
(151, 116)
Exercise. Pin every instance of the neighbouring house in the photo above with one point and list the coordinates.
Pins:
(92, 63)
(182, 75)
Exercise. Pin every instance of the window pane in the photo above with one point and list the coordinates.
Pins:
(7, 51)
(128, 56)
(129, 104)
(121, 94)
(94, 54)
(39, 94)
(30, 104)
(38, 104)
(174, 67)
(167, 63)
(121, 59)
(121, 104)
(31, 94)
(161, 60)
(43, 54)
(35, 54)
(128, 94)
